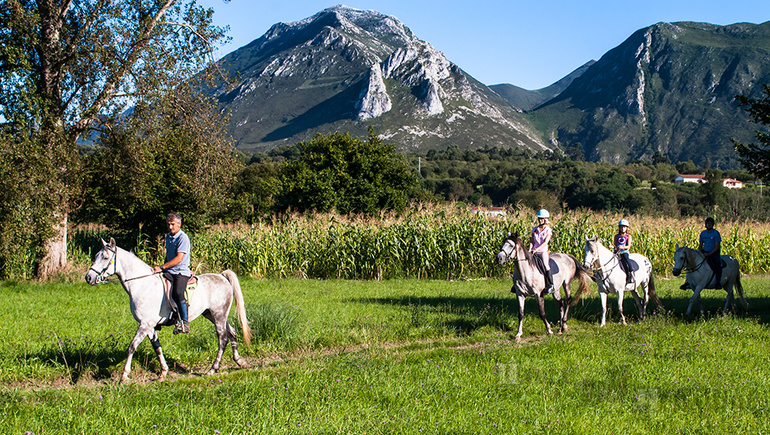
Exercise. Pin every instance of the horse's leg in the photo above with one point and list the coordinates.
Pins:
(620, 305)
(155, 340)
(640, 307)
(730, 302)
(222, 337)
(541, 308)
(646, 301)
(563, 308)
(695, 298)
(603, 297)
(234, 343)
(141, 332)
(521, 300)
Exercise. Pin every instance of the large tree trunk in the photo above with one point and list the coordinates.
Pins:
(55, 260)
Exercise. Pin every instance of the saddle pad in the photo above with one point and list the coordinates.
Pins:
(189, 291)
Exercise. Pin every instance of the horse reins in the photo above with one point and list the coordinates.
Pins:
(114, 260)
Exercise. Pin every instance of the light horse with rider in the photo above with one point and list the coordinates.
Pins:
(532, 280)
(212, 299)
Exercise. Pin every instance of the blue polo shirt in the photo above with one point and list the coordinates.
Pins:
(174, 245)
(710, 239)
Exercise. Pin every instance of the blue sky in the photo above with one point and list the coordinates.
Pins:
(530, 44)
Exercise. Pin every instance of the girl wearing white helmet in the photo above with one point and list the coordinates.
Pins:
(541, 235)
(622, 242)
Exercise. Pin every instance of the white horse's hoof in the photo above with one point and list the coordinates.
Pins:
(124, 377)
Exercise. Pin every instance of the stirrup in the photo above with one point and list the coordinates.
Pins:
(181, 327)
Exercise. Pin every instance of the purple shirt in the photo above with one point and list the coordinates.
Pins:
(540, 236)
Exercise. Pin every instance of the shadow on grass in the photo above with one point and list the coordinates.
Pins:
(86, 359)
(467, 314)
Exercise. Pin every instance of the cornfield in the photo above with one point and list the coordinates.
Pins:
(446, 243)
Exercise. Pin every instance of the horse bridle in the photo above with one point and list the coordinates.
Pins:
(687, 261)
(509, 255)
(100, 278)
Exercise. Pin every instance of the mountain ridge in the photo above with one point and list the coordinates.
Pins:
(668, 89)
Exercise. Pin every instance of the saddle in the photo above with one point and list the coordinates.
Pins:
(192, 284)
(631, 264)
(712, 284)
(540, 264)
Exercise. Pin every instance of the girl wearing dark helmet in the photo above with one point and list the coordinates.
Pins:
(541, 235)
(622, 242)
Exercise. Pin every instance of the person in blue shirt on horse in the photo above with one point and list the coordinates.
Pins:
(541, 235)
(622, 242)
(710, 245)
(176, 269)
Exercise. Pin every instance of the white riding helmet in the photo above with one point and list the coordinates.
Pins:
(543, 213)
(623, 223)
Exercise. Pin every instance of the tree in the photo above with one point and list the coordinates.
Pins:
(756, 157)
(65, 64)
(170, 154)
(255, 191)
(342, 173)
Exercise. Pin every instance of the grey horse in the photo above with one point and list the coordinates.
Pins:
(529, 281)
(212, 299)
(700, 276)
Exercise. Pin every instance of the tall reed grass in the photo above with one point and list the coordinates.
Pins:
(439, 243)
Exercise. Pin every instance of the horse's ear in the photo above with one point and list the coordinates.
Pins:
(112, 243)
(509, 234)
(103, 242)
(677, 246)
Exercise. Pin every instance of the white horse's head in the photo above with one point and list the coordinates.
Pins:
(680, 259)
(104, 263)
(591, 252)
(508, 250)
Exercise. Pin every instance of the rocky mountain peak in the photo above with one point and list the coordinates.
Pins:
(345, 68)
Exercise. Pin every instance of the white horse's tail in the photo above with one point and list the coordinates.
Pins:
(653, 294)
(240, 305)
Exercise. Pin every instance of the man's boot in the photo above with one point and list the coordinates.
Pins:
(684, 286)
(182, 326)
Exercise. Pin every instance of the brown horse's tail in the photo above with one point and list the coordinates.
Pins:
(240, 305)
(584, 282)
(653, 294)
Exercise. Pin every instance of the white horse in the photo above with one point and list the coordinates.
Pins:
(700, 276)
(529, 281)
(212, 299)
(611, 278)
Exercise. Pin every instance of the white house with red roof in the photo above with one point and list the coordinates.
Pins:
(730, 183)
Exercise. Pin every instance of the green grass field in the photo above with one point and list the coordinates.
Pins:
(396, 356)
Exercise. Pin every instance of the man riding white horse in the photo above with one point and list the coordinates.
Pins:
(176, 269)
